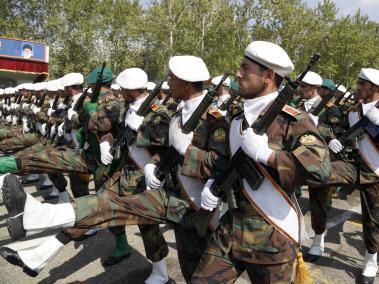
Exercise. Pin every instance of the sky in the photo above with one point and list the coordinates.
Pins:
(349, 7)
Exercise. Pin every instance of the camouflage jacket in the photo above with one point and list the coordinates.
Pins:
(153, 136)
(302, 157)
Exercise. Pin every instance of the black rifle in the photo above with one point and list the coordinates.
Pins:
(339, 100)
(67, 127)
(225, 105)
(169, 160)
(54, 107)
(99, 82)
(325, 100)
(242, 166)
(345, 100)
(357, 129)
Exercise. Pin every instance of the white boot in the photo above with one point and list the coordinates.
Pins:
(47, 181)
(159, 273)
(370, 265)
(317, 247)
(37, 258)
(64, 197)
(42, 216)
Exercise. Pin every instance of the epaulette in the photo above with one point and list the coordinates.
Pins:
(215, 113)
(291, 111)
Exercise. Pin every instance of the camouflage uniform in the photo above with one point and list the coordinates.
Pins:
(61, 159)
(356, 171)
(204, 158)
(320, 199)
(245, 240)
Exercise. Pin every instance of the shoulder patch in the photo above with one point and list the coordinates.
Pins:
(329, 104)
(154, 107)
(290, 110)
(215, 113)
(219, 135)
(308, 140)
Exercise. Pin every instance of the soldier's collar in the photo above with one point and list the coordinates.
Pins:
(254, 107)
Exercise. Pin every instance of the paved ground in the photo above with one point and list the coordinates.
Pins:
(81, 262)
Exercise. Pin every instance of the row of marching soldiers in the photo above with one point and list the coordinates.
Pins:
(220, 166)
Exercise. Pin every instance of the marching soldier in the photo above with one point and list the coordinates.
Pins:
(263, 235)
(363, 170)
(202, 153)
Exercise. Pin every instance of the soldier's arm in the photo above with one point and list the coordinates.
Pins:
(202, 164)
(107, 116)
(307, 162)
(153, 132)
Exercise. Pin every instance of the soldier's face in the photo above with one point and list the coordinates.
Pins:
(307, 91)
(366, 89)
(251, 79)
(177, 86)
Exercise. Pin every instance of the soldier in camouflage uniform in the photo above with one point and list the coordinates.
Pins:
(292, 153)
(202, 155)
(104, 117)
(327, 121)
(363, 169)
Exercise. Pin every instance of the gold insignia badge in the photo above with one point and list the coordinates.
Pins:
(219, 135)
(308, 140)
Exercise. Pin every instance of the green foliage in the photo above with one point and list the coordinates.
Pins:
(83, 33)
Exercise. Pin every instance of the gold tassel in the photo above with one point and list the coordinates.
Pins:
(302, 273)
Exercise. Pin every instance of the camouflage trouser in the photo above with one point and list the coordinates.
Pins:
(8, 131)
(44, 158)
(368, 184)
(19, 142)
(320, 201)
(217, 267)
(244, 240)
(153, 207)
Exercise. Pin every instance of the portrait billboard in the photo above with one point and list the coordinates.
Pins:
(21, 49)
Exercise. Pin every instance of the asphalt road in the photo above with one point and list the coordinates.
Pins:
(80, 262)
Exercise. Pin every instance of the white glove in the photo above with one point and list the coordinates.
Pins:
(152, 182)
(25, 128)
(25, 105)
(9, 118)
(36, 110)
(373, 115)
(15, 106)
(43, 129)
(60, 130)
(335, 146)
(208, 200)
(50, 111)
(70, 113)
(52, 131)
(256, 146)
(14, 119)
(133, 120)
(180, 140)
(106, 156)
(62, 106)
